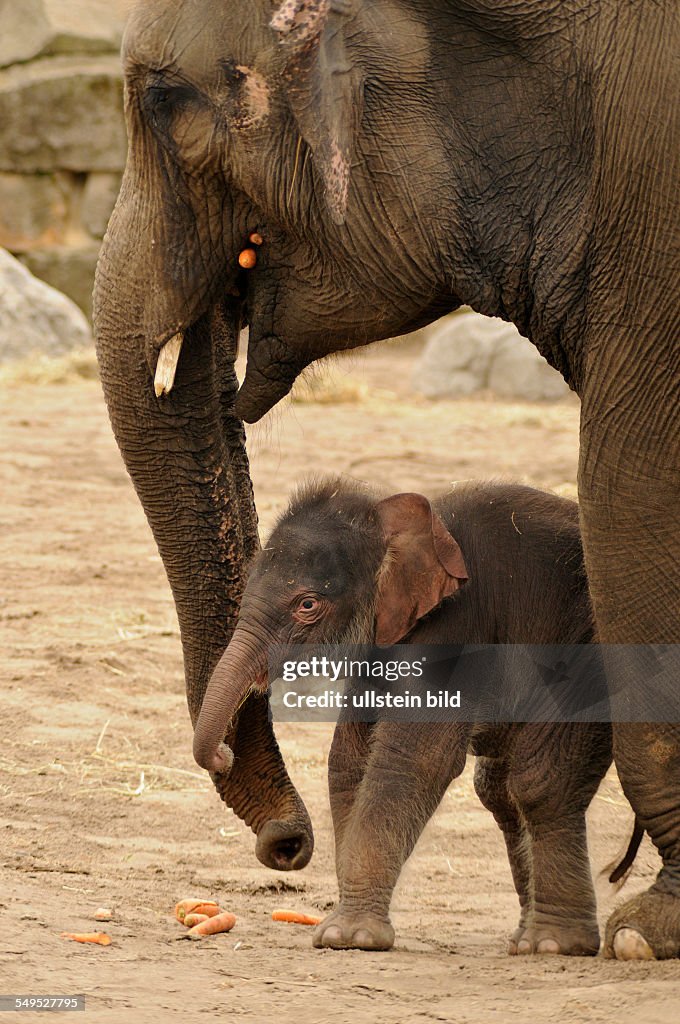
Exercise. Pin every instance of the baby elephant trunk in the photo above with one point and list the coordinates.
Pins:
(241, 669)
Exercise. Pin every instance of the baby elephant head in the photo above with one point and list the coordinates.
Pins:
(340, 567)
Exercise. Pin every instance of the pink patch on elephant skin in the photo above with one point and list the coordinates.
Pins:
(337, 182)
(256, 96)
(306, 18)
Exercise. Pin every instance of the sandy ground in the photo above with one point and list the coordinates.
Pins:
(101, 803)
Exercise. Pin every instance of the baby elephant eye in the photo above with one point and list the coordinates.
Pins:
(308, 609)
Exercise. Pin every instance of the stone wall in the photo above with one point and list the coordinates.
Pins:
(62, 135)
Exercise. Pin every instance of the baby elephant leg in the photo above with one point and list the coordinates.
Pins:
(347, 762)
(491, 784)
(555, 774)
(408, 769)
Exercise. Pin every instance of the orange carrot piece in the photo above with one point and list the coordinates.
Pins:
(247, 259)
(193, 919)
(184, 907)
(101, 938)
(210, 909)
(292, 917)
(223, 922)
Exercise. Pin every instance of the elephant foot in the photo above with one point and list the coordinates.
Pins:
(555, 940)
(344, 929)
(646, 927)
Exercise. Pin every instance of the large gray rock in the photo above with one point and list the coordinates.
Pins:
(35, 317)
(455, 361)
(37, 28)
(518, 370)
(69, 269)
(467, 352)
(62, 113)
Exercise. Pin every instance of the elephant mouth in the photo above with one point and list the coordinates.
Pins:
(271, 372)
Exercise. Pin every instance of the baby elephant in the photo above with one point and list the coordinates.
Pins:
(343, 566)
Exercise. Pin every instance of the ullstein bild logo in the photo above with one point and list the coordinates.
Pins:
(476, 683)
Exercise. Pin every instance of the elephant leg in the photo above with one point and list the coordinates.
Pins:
(408, 769)
(556, 771)
(491, 785)
(647, 926)
(347, 762)
(629, 488)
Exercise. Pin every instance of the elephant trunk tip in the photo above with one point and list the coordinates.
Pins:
(219, 761)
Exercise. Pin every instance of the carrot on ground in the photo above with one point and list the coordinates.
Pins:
(292, 917)
(223, 922)
(184, 907)
(193, 919)
(100, 938)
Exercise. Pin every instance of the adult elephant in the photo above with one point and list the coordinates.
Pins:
(398, 159)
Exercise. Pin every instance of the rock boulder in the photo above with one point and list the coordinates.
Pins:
(467, 352)
(34, 317)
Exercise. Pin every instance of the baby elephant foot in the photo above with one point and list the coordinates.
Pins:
(647, 927)
(344, 929)
(554, 940)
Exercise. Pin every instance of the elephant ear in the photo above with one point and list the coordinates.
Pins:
(322, 89)
(422, 566)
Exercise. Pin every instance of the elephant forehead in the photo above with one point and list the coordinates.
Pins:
(296, 560)
(197, 36)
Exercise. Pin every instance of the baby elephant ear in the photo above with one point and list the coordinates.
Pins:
(322, 89)
(423, 565)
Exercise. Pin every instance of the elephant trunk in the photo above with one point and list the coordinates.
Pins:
(185, 452)
(235, 707)
(241, 668)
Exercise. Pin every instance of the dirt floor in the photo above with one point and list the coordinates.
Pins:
(101, 803)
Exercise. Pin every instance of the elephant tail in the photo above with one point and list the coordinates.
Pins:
(619, 871)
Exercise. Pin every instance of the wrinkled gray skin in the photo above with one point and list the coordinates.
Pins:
(342, 565)
(400, 158)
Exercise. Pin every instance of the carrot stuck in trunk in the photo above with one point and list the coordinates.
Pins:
(99, 938)
(292, 917)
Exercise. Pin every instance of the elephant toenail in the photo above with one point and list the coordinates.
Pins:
(523, 947)
(548, 946)
(332, 937)
(630, 945)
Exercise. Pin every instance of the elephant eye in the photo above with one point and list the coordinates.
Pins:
(161, 101)
(308, 609)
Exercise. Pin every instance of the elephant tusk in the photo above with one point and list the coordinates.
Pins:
(166, 367)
